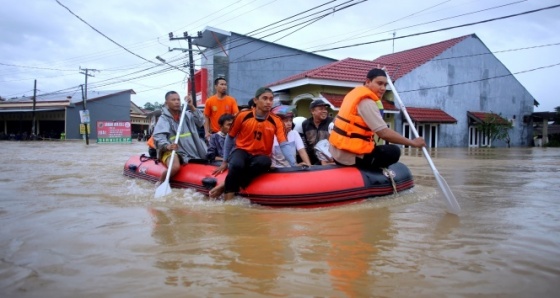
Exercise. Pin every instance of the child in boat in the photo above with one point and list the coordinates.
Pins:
(216, 142)
(286, 113)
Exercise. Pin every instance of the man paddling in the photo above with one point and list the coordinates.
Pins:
(360, 118)
(189, 145)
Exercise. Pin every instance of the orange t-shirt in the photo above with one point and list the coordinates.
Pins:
(256, 136)
(215, 108)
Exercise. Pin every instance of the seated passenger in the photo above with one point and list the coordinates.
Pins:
(295, 143)
(189, 145)
(322, 150)
(216, 142)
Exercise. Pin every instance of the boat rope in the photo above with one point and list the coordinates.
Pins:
(389, 175)
(144, 158)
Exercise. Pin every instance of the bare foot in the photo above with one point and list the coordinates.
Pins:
(217, 191)
(228, 196)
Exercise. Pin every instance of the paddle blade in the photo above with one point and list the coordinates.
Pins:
(452, 204)
(162, 190)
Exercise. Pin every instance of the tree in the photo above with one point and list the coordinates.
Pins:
(153, 106)
(496, 128)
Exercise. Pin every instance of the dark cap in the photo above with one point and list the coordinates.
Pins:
(318, 103)
(376, 72)
(262, 90)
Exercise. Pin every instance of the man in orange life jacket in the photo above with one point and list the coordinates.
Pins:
(253, 132)
(359, 119)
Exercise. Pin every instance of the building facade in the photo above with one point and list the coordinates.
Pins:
(448, 87)
(59, 114)
(247, 63)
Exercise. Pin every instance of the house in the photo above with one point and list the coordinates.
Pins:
(59, 113)
(247, 63)
(448, 87)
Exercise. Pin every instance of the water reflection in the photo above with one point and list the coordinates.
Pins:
(265, 251)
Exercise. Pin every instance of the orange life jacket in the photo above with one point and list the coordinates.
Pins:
(350, 132)
(151, 142)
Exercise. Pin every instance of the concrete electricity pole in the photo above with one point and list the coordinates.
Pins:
(191, 59)
(85, 71)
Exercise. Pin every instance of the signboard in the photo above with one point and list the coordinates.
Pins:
(84, 116)
(83, 129)
(113, 132)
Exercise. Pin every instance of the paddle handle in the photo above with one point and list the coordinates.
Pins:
(410, 123)
(181, 120)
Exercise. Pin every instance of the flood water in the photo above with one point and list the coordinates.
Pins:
(72, 226)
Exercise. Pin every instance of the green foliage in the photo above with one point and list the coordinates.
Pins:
(557, 117)
(496, 128)
(153, 106)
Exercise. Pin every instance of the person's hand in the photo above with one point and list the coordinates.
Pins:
(220, 169)
(304, 164)
(172, 147)
(418, 142)
(208, 135)
(189, 101)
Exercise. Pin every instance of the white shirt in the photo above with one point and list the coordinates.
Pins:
(295, 143)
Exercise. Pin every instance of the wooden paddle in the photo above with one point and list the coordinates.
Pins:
(164, 188)
(450, 201)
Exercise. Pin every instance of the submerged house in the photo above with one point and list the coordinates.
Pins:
(448, 88)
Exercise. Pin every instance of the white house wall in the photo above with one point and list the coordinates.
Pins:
(449, 71)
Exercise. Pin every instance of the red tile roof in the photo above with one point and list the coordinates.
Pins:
(336, 100)
(484, 117)
(430, 115)
(349, 69)
(401, 63)
(355, 70)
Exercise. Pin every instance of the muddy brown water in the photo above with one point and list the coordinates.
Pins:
(73, 226)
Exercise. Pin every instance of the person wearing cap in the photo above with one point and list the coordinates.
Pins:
(295, 143)
(316, 127)
(359, 119)
(254, 131)
(217, 105)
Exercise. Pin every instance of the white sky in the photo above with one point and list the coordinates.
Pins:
(39, 39)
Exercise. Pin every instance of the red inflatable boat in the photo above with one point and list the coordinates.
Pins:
(313, 186)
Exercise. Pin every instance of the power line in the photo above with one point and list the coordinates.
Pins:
(439, 30)
(484, 79)
(118, 44)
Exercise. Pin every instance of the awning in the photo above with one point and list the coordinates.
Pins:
(483, 117)
(30, 110)
(424, 115)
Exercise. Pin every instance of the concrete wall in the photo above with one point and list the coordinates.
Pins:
(254, 63)
(464, 63)
(113, 107)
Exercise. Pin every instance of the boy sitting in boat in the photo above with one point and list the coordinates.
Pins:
(216, 142)
(254, 132)
(190, 145)
(295, 143)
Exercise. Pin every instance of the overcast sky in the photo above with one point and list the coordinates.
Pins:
(40, 39)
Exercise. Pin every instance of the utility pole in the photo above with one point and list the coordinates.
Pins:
(34, 120)
(191, 59)
(85, 71)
